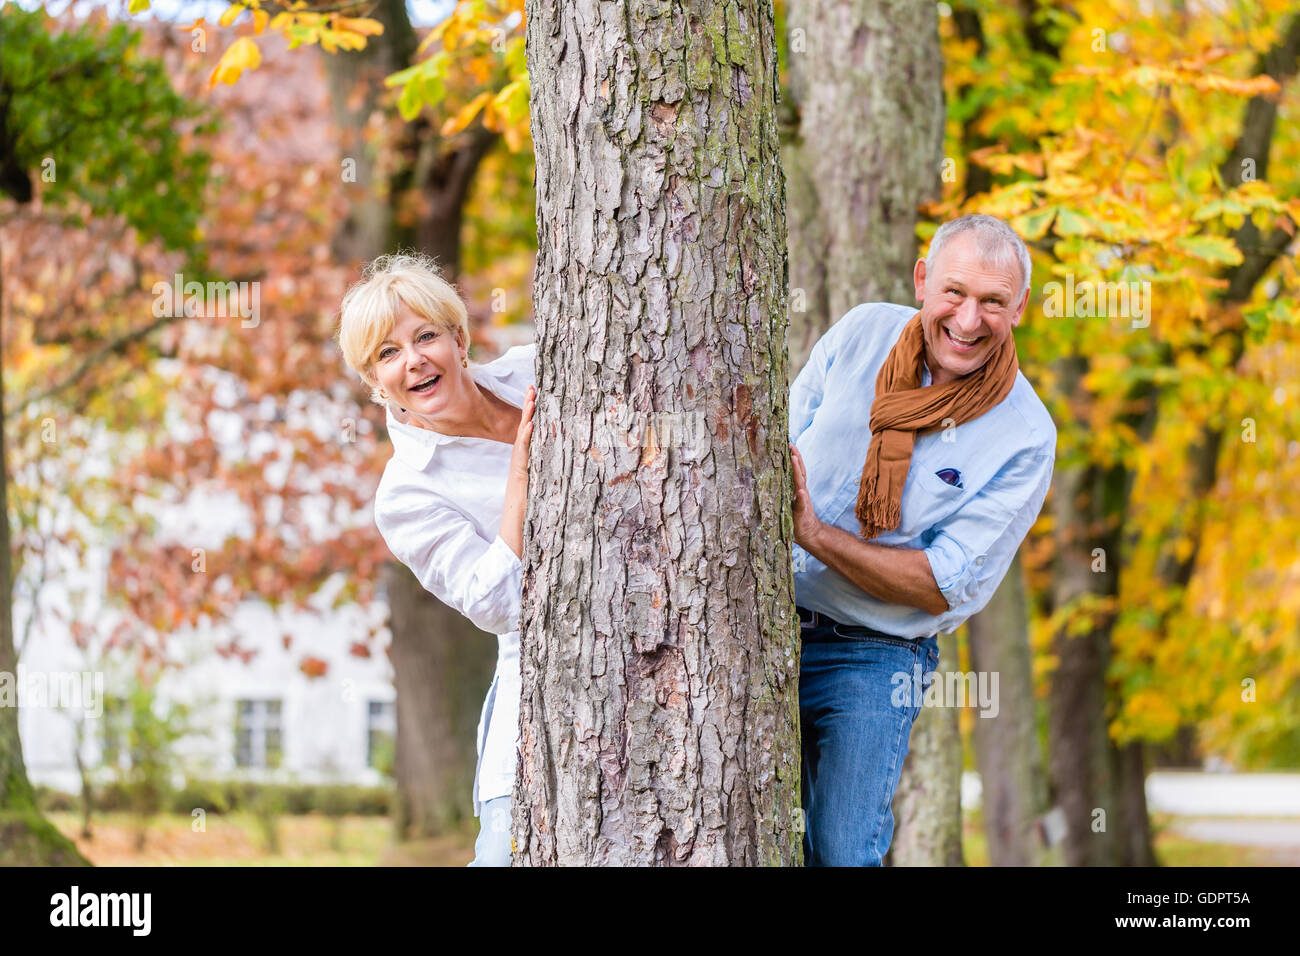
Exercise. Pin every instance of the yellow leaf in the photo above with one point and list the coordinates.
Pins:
(231, 15)
(362, 25)
(241, 55)
(514, 140)
(136, 6)
(466, 114)
(259, 20)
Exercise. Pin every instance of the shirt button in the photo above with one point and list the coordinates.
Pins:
(980, 560)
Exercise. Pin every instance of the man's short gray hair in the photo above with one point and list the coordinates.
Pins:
(995, 241)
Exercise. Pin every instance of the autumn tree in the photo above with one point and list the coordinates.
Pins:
(416, 117)
(98, 128)
(1117, 143)
(1008, 754)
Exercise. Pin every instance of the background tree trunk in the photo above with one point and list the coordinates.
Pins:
(867, 78)
(356, 84)
(927, 803)
(1007, 750)
(442, 664)
(1081, 765)
(659, 720)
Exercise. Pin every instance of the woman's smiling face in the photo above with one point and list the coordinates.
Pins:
(419, 364)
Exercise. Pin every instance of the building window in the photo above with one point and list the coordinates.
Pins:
(257, 733)
(381, 735)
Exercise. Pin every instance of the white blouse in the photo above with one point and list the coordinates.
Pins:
(438, 507)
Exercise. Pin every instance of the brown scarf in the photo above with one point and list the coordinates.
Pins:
(902, 410)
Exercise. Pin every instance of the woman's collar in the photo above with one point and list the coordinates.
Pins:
(415, 445)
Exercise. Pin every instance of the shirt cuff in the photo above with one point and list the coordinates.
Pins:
(954, 572)
(503, 553)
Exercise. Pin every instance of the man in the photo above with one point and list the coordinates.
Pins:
(928, 457)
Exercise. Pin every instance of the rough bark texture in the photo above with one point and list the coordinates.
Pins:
(927, 803)
(869, 87)
(1006, 746)
(442, 664)
(867, 77)
(659, 719)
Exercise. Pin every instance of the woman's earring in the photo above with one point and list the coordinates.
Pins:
(465, 362)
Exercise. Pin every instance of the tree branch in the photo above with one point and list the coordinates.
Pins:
(115, 346)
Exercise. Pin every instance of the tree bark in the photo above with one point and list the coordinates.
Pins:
(442, 664)
(869, 87)
(867, 77)
(927, 803)
(1087, 506)
(1006, 746)
(659, 718)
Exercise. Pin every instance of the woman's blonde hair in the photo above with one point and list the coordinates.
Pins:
(370, 309)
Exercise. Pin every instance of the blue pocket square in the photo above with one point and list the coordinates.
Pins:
(951, 475)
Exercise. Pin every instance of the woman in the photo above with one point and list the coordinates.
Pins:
(450, 504)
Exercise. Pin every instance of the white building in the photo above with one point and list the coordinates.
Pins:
(263, 719)
(260, 719)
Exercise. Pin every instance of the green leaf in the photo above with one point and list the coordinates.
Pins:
(408, 104)
(1216, 249)
(1034, 225)
(1219, 207)
(1071, 223)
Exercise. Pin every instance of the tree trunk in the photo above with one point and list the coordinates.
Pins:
(867, 77)
(1132, 841)
(442, 672)
(1006, 745)
(356, 83)
(660, 651)
(927, 803)
(442, 664)
(1086, 571)
(26, 837)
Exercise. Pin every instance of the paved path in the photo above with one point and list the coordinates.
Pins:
(1274, 834)
(1195, 793)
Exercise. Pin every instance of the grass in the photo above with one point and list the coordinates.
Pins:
(237, 839)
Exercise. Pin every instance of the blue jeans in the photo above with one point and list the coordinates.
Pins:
(858, 698)
(492, 848)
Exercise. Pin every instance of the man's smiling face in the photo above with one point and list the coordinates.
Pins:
(968, 308)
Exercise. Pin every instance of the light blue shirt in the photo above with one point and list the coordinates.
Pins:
(969, 532)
